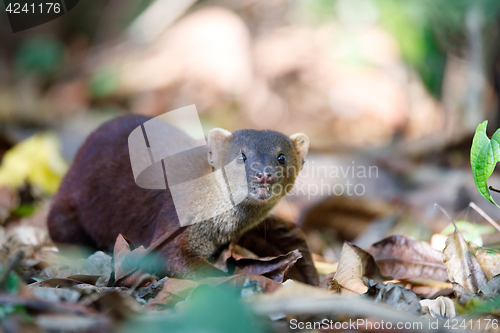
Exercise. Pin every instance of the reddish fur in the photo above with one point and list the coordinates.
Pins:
(98, 199)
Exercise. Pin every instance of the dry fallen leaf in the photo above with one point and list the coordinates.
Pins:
(173, 291)
(125, 262)
(350, 272)
(276, 237)
(371, 269)
(98, 264)
(176, 290)
(120, 251)
(56, 283)
(488, 260)
(463, 267)
(490, 290)
(394, 295)
(221, 262)
(26, 235)
(274, 268)
(403, 257)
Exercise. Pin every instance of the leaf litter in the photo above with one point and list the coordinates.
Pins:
(78, 294)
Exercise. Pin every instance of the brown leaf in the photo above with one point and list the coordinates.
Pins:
(122, 248)
(368, 266)
(463, 267)
(56, 283)
(89, 279)
(227, 253)
(489, 261)
(403, 257)
(221, 262)
(275, 237)
(116, 305)
(244, 261)
(98, 264)
(350, 272)
(274, 268)
(126, 261)
(176, 290)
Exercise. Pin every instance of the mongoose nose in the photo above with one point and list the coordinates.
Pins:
(263, 177)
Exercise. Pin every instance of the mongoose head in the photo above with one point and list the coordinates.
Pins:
(273, 160)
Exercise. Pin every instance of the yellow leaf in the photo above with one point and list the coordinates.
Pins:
(36, 160)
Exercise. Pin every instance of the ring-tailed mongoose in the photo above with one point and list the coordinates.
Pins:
(98, 198)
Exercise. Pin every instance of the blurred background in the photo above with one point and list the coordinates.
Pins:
(399, 86)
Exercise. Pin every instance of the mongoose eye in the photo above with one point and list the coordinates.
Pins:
(242, 158)
(282, 159)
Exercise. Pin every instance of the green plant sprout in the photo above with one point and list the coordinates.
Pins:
(484, 155)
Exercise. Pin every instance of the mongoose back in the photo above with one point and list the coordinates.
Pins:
(99, 199)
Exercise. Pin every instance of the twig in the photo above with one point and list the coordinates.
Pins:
(494, 189)
(437, 206)
(483, 214)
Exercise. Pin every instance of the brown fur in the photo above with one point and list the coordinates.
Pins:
(98, 199)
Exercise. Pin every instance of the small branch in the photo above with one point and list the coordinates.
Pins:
(483, 214)
(437, 206)
(494, 189)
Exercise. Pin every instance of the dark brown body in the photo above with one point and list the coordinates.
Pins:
(99, 199)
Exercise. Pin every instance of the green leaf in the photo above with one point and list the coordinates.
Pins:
(472, 232)
(12, 284)
(43, 55)
(484, 155)
(104, 82)
(24, 210)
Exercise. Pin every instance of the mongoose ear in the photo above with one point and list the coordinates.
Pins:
(216, 139)
(301, 142)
